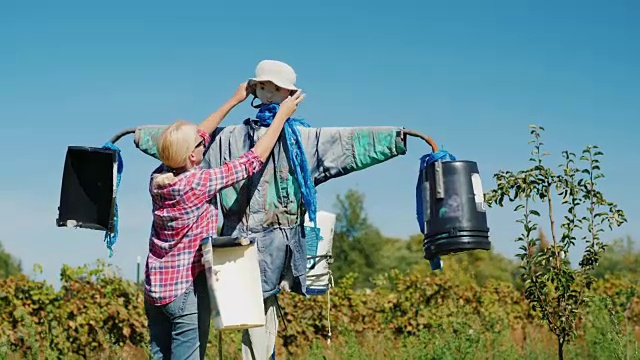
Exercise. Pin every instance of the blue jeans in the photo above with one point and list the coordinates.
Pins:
(180, 330)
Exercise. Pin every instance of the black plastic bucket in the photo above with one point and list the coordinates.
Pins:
(87, 196)
(454, 209)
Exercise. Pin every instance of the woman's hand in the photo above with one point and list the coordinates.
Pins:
(212, 121)
(290, 104)
(241, 93)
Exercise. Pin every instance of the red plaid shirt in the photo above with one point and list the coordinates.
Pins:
(183, 215)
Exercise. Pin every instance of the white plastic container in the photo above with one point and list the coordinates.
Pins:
(319, 253)
(235, 289)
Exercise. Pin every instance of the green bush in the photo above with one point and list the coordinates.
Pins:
(413, 314)
(91, 313)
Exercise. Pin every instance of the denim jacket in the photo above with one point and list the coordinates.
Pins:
(267, 206)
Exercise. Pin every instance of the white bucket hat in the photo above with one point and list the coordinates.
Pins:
(277, 72)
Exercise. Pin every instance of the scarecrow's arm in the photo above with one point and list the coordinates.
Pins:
(338, 151)
(146, 136)
(331, 152)
(145, 139)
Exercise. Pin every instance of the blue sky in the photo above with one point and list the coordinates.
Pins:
(471, 75)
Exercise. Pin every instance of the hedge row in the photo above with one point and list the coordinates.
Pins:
(94, 311)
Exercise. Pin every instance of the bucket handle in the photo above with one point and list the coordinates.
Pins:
(122, 133)
(427, 139)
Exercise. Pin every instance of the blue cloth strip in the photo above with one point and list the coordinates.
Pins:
(110, 238)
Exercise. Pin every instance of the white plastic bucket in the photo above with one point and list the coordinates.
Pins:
(319, 253)
(235, 289)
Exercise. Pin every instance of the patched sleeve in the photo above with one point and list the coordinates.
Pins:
(336, 151)
(145, 138)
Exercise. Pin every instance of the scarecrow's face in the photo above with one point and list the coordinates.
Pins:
(270, 93)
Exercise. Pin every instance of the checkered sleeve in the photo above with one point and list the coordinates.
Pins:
(208, 182)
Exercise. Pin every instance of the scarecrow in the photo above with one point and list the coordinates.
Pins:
(270, 206)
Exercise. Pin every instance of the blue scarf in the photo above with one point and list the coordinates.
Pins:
(296, 155)
(110, 238)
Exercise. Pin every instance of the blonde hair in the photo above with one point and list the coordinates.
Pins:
(175, 144)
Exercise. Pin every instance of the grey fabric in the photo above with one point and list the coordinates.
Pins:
(259, 343)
